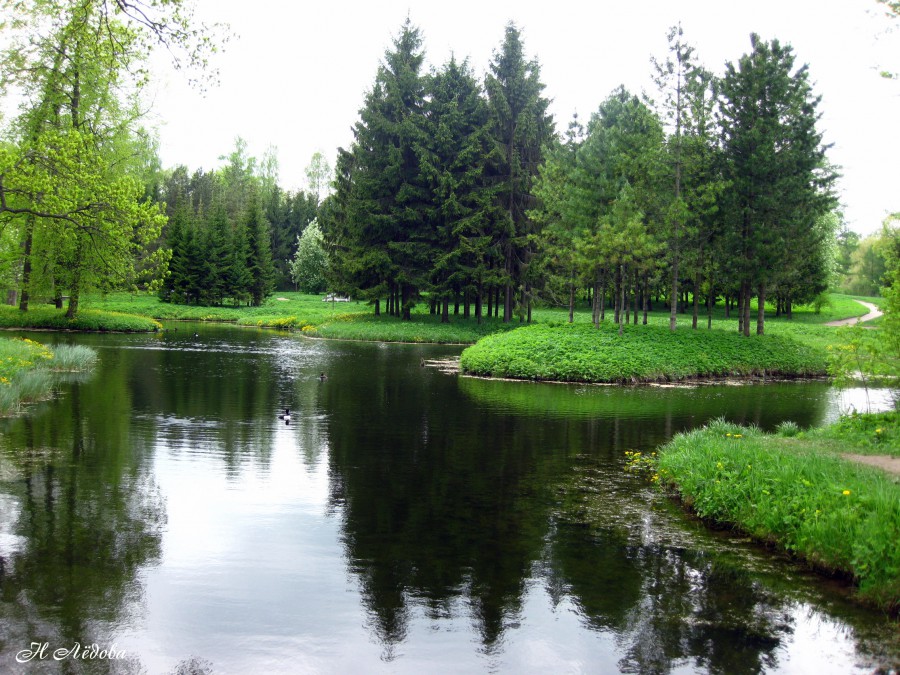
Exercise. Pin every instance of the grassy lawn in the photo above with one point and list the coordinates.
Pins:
(50, 318)
(795, 491)
(355, 320)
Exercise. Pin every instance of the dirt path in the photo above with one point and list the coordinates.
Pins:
(874, 313)
(889, 464)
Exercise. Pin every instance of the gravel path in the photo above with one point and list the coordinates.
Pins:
(874, 313)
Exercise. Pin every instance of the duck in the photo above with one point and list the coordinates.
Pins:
(322, 377)
(287, 415)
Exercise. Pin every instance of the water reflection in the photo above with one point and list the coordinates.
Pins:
(82, 517)
(404, 520)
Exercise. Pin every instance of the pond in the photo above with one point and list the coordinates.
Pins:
(404, 520)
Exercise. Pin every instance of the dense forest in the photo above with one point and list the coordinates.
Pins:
(714, 187)
(457, 190)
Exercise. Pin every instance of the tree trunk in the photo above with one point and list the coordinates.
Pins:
(696, 300)
(445, 310)
(595, 304)
(761, 309)
(490, 304)
(406, 302)
(572, 297)
(26, 263)
(507, 303)
(466, 313)
(645, 294)
(377, 306)
(617, 316)
(621, 299)
(634, 301)
(746, 309)
(478, 300)
(603, 300)
(673, 311)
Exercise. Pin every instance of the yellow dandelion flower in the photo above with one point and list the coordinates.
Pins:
(845, 492)
(878, 431)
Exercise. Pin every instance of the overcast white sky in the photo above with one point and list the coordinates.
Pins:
(296, 74)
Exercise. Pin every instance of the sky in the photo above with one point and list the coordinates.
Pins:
(295, 74)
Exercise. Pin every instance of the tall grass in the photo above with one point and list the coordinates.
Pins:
(73, 358)
(27, 370)
(841, 517)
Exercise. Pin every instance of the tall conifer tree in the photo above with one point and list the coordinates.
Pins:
(521, 127)
(780, 181)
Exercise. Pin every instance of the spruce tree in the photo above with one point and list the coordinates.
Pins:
(259, 252)
(521, 127)
(780, 181)
(459, 200)
(381, 194)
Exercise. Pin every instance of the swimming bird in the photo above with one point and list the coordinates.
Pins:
(322, 377)
(287, 415)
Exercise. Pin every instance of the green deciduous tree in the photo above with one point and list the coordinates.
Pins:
(69, 182)
(309, 268)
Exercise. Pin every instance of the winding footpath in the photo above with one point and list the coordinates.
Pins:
(874, 313)
(886, 462)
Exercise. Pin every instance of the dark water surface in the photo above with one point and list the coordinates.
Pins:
(404, 521)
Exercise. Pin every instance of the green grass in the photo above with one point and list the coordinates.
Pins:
(841, 517)
(870, 434)
(50, 318)
(295, 311)
(72, 358)
(27, 367)
(581, 353)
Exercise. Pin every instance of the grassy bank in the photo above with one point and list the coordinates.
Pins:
(313, 317)
(27, 369)
(581, 353)
(50, 318)
(794, 491)
(355, 320)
